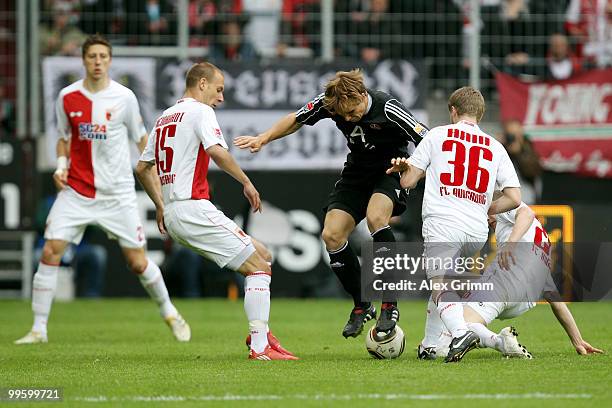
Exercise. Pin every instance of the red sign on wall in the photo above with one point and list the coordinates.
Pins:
(569, 121)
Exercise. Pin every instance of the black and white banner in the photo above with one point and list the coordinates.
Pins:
(256, 96)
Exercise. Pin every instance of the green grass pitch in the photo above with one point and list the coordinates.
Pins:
(119, 353)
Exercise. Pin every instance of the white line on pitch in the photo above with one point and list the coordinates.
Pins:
(327, 397)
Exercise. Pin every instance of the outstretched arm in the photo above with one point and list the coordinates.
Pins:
(510, 199)
(410, 175)
(285, 126)
(146, 174)
(522, 222)
(226, 162)
(566, 319)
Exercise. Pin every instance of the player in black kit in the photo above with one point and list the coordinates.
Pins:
(377, 128)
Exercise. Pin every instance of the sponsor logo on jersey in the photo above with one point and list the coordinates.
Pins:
(76, 114)
(309, 106)
(92, 131)
(218, 133)
(167, 179)
(420, 130)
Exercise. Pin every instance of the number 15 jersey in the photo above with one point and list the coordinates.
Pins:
(463, 166)
(178, 143)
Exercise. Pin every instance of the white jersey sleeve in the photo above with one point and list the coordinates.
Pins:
(208, 129)
(506, 174)
(63, 124)
(421, 157)
(148, 154)
(510, 216)
(133, 119)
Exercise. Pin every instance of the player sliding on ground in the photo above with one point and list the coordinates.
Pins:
(521, 271)
(186, 136)
(463, 166)
(97, 118)
(377, 128)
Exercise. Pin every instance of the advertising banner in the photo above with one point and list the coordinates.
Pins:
(569, 121)
(255, 95)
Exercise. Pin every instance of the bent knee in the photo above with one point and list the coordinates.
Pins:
(376, 222)
(137, 266)
(255, 264)
(333, 239)
(52, 252)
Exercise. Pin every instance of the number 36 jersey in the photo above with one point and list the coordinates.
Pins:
(463, 166)
(178, 143)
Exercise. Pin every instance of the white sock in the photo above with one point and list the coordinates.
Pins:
(451, 313)
(153, 282)
(434, 326)
(268, 327)
(487, 337)
(257, 308)
(43, 289)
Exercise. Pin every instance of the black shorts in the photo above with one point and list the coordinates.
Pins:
(353, 191)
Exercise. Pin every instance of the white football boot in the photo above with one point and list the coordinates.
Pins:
(509, 345)
(180, 328)
(33, 337)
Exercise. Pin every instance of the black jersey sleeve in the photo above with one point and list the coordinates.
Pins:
(312, 112)
(409, 126)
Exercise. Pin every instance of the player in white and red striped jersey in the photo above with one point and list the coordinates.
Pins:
(520, 275)
(463, 166)
(186, 136)
(97, 119)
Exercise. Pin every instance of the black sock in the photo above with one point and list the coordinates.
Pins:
(345, 265)
(385, 235)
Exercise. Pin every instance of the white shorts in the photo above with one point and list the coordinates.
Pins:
(71, 213)
(446, 242)
(490, 311)
(199, 225)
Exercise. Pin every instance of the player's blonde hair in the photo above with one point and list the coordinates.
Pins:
(343, 92)
(467, 101)
(200, 70)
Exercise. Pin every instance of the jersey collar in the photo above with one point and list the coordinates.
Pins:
(186, 100)
(369, 104)
(469, 123)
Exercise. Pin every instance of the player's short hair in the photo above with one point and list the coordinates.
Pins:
(96, 39)
(467, 101)
(343, 91)
(200, 70)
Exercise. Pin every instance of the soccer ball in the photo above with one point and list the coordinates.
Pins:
(386, 346)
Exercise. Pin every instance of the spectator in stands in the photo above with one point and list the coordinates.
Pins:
(560, 61)
(201, 17)
(230, 44)
(264, 25)
(378, 34)
(61, 36)
(525, 160)
(300, 25)
(590, 23)
(154, 22)
(107, 17)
